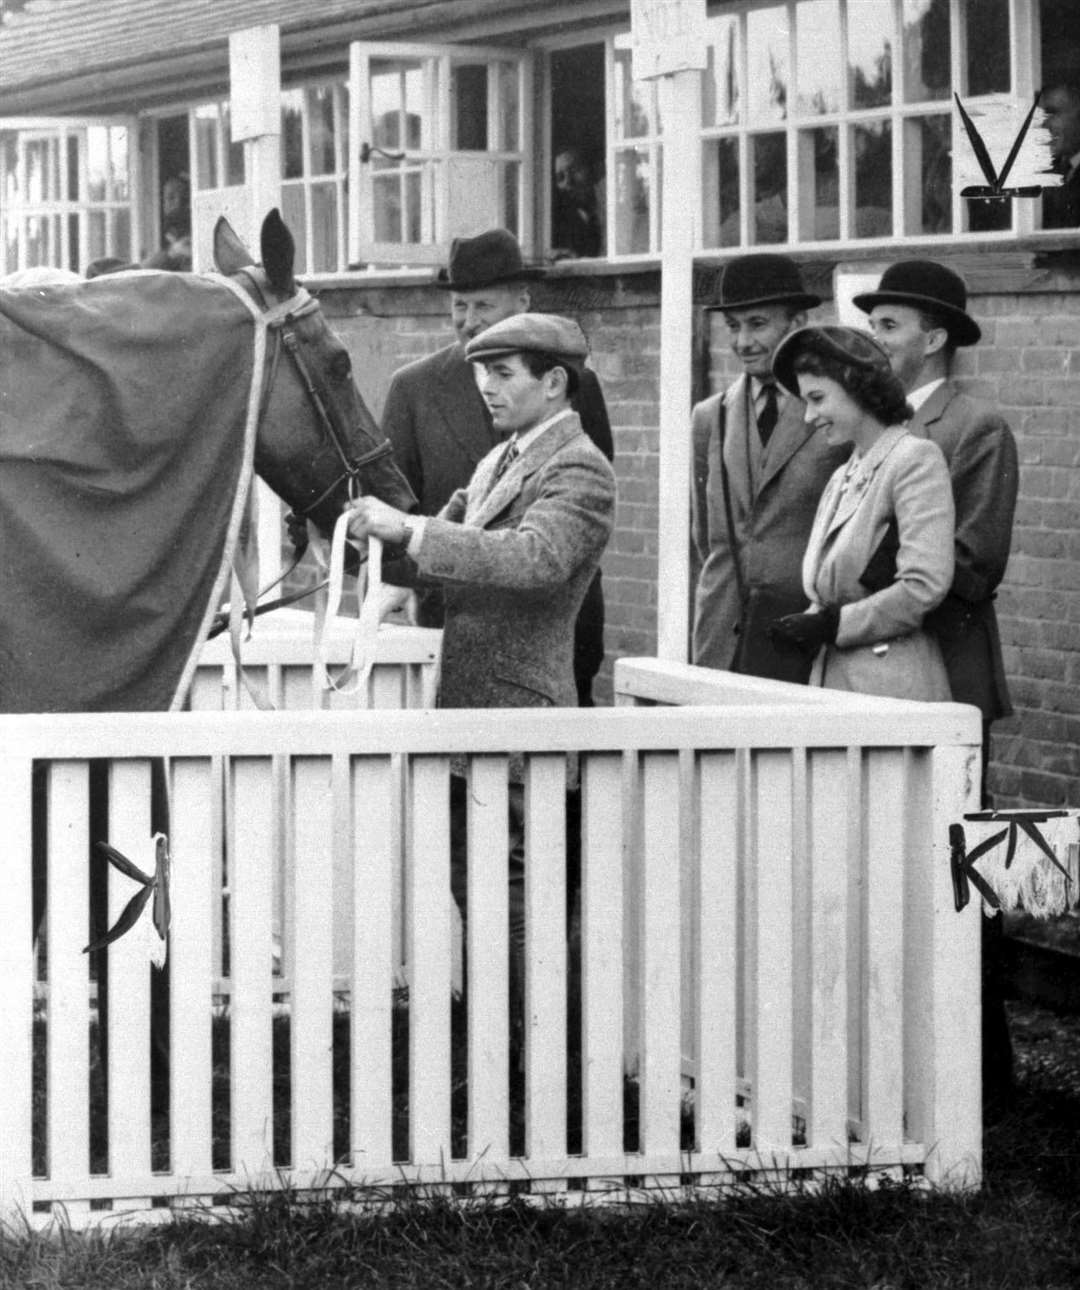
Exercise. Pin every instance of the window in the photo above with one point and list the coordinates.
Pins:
(833, 120)
(440, 149)
(66, 195)
(314, 165)
(635, 157)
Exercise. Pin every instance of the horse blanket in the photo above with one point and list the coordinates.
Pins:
(126, 439)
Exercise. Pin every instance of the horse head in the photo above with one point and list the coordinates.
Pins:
(317, 440)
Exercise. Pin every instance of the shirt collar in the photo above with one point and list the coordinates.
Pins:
(522, 440)
(921, 393)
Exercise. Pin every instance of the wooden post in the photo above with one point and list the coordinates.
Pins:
(668, 38)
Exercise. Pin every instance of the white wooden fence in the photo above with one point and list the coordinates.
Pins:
(770, 980)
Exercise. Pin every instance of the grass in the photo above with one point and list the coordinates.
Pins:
(1021, 1232)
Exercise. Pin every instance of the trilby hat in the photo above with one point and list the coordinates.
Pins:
(536, 333)
(845, 345)
(763, 279)
(925, 284)
(484, 261)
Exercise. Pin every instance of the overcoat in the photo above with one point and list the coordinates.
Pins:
(514, 557)
(441, 430)
(772, 513)
(881, 647)
(981, 452)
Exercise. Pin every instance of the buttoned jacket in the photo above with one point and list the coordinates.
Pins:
(771, 517)
(881, 647)
(983, 467)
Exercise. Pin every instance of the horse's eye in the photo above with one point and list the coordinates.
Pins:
(340, 367)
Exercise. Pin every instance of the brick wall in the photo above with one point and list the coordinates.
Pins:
(1028, 364)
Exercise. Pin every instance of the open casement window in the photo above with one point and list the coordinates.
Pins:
(635, 155)
(68, 191)
(218, 175)
(440, 147)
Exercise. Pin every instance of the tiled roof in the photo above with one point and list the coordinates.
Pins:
(49, 47)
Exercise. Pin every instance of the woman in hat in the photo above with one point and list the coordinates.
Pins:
(880, 554)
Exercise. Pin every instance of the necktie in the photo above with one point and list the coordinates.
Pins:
(767, 413)
(507, 459)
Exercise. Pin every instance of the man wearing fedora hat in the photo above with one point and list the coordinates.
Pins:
(759, 471)
(441, 428)
(919, 315)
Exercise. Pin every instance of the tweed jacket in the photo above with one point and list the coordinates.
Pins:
(880, 646)
(441, 430)
(514, 558)
(981, 452)
(772, 518)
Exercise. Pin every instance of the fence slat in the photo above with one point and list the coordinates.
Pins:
(251, 963)
(429, 953)
(68, 928)
(717, 848)
(312, 1033)
(602, 991)
(769, 954)
(488, 958)
(661, 1067)
(17, 994)
(545, 955)
(827, 795)
(129, 975)
(372, 963)
(194, 838)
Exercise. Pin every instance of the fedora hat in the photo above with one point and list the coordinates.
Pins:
(562, 338)
(763, 279)
(925, 284)
(484, 261)
(845, 345)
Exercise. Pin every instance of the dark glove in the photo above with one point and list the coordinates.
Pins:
(297, 529)
(808, 631)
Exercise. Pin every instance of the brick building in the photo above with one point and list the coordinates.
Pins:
(827, 128)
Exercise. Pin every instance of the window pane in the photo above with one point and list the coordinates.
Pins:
(870, 52)
(234, 152)
(720, 81)
(633, 101)
(927, 50)
(96, 241)
(121, 227)
(413, 195)
(97, 167)
(633, 193)
(817, 37)
(770, 211)
(721, 173)
(508, 106)
(396, 99)
(386, 195)
(292, 134)
(324, 228)
(819, 184)
(206, 140)
(42, 171)
(321, 124)
(768, 63)
(509, 179)
(988, 41)
(292, 212)
(468, 106)
(872, 152)
(928, 165)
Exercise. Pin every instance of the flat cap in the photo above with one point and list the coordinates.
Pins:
(535, 333)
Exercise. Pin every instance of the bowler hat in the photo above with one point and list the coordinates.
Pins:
(763, 279)
(484, 261)
(925, 284)
(845, 345)
(562, 338)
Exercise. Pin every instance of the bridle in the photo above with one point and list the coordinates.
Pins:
(282, 324)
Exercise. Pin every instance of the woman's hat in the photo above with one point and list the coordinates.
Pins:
(925, 284)
(485, 260)
(763, 279)
(845, 345)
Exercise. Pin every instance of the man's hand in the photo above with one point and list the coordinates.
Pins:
(808, 631)
(368, 517)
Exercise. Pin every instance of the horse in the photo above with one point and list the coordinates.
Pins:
(132, 409)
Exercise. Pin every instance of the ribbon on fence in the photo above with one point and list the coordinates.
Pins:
(1027, 860)
(353, 678)
(154, 888)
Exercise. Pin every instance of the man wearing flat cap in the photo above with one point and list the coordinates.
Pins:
(515, 549)
(759, 471)
(441, 428)
(919, 315)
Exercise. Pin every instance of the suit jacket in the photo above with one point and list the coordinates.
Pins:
(899, 478)
(515, 558)
(441, 430)
(981, 452)
(772, 513)
(1061, 206)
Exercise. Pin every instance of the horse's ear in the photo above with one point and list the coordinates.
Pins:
(230, 254)
(278, 252)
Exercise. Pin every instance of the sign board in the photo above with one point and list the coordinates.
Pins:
(667, 36)
(255, 82)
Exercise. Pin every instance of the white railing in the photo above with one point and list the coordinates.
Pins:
(769, 978)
